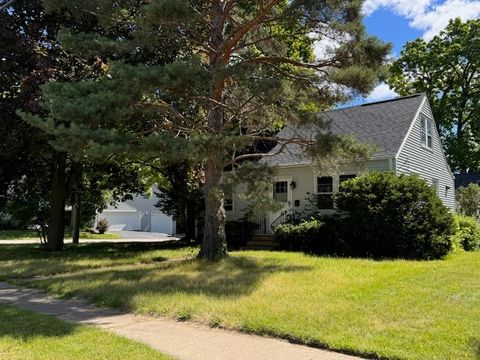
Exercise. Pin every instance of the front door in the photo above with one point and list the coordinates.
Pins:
(283, 195)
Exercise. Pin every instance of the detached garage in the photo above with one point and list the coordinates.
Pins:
(138, 214)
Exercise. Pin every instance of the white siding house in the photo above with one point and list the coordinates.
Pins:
(402, 130)
(139, 214)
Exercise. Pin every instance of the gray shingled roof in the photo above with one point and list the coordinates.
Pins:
(383, 124)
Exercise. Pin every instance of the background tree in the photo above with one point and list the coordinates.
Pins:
(37, 181)
(468, 200)
(212, 78)
(180, 195)
(447, 69)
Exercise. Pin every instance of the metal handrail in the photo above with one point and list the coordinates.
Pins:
(280, 220)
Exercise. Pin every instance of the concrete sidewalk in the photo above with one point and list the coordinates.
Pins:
(182, 340)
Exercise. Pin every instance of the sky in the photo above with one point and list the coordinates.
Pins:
(400, 21)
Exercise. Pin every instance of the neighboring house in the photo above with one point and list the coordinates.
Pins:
(463, 180)
(139, 214)
(406, 140)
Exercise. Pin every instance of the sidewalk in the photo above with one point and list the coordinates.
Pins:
(182, 340)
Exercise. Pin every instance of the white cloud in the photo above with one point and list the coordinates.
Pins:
(429, 16)
(381, 92)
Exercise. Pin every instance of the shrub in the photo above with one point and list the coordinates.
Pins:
(389, 216)
(467, 233)
(310, 236)
(102, 226)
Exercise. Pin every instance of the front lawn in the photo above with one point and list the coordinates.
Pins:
(30, 234)
(25, 261)
(26, 335)
(389, 309)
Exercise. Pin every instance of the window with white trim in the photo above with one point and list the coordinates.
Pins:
(280, 191)
(427, 131)
(325, 192)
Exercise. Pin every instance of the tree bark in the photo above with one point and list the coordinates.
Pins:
(76, 218)
(214, 245)
(56, 223)
(190, 220)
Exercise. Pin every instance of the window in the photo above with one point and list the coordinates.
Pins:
(427, 131)
(435, 185)
(280, 191)
(325, 192)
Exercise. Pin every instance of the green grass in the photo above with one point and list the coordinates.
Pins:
(389, 309)
(25, 335)
(30, 234)
(25, 261)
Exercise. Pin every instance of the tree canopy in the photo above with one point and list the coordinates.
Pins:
(204, 81)
(447, 69)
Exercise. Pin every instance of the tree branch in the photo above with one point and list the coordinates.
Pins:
(6, 5)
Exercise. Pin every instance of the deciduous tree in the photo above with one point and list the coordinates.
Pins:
(447, 69)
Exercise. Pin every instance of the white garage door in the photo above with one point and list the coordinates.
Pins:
(162, 223)
(121, 220)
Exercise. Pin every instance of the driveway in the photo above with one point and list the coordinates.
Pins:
(145, 236)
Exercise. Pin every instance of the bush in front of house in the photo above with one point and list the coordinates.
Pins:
(467, 233)
(389, 216)
(314, 236)
(102, 226)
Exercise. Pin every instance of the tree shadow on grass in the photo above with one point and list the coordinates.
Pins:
(24, 325)
(230, 278)
(23, 261)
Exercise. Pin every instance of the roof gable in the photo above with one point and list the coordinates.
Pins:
(384, 124)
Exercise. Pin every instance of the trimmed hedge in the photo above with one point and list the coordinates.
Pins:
(467, 232)
(310, 236)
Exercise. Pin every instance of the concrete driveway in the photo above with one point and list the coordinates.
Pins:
(145, 236)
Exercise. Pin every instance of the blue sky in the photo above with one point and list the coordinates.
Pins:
(399, 21)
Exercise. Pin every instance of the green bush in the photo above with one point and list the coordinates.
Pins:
(310, 236)
(389, 216)
(102, 226)
(467, 232)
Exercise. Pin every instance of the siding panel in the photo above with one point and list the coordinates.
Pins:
(427, 163)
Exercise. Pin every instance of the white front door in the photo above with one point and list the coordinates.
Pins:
(283, 194)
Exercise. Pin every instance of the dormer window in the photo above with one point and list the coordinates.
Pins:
(427, 131)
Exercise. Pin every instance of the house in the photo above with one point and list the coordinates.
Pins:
(404, 134)
(463, 180)
(138, 214)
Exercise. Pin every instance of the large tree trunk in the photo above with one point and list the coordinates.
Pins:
(214, 245)
(56, 223)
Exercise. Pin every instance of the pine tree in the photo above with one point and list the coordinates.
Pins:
(204, 80)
